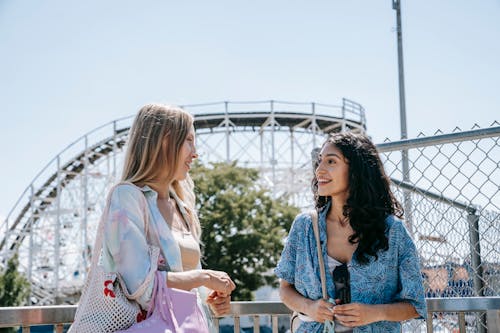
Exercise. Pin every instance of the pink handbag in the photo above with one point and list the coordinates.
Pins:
(171, 311)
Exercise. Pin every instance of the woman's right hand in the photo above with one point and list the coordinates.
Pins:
(320, 310)
(219, 281)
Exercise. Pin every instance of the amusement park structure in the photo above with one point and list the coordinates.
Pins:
(52, 225)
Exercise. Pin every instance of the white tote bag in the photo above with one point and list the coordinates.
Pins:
(105, 305)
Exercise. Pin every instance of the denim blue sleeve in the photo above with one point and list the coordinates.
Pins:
(286, 265)
(412, 289)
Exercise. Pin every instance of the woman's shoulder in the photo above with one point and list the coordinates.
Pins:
(393, 222)
(301, 224)
(303, 219)
(396, 228)
(126, 191)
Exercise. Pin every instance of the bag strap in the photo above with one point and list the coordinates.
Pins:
(314, 218)
(154, 295)
(164, 303)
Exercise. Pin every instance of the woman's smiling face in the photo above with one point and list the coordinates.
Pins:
(332, 172)
(186, 156)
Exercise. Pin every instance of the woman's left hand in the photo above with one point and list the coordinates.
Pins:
(355, 314)
(219, 303)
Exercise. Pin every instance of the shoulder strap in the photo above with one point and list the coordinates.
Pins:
(180, 204)
(314, 218)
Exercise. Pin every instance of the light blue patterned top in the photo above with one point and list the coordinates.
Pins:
(125, 247)
(394, 277)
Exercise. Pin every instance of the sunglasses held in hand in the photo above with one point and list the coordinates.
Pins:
(342, 283)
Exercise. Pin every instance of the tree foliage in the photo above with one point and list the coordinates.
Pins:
(243, 226)
(14, 287)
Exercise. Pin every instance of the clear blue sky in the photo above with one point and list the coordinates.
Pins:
(67, 67)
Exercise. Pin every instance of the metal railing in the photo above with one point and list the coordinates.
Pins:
(60, 316)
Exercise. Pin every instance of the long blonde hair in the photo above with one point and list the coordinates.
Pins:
(148, 158)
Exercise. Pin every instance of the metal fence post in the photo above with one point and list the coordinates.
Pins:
(475, 251)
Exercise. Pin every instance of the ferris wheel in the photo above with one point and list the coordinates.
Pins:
(53, 224)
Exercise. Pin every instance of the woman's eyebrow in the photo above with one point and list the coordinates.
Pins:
(331, 154)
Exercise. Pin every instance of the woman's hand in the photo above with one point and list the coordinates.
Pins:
(320, 310)
(219, 281)
(219, 303)
(356, 314)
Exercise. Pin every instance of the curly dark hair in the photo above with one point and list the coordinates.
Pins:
(370, 198)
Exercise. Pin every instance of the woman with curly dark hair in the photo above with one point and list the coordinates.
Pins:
(373, 274)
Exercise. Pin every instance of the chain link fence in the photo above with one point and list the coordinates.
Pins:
(451, 198)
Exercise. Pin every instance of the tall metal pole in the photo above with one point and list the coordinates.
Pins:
(396, 5)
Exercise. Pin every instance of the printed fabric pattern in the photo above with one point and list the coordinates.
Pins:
(125, 247)
(394, 277)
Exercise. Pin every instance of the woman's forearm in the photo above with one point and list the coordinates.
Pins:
(292, 299)
(395, 311)
(187, 280)
(359, 314)
(215, 280)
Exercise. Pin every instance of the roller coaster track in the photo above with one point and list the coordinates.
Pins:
(223, 118)
(45, 195)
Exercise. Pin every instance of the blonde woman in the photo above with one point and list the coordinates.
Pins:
(160, 151)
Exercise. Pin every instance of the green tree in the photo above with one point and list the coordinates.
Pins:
(243, 226)
(14, 287)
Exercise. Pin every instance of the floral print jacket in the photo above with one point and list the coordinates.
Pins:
(394, 277)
